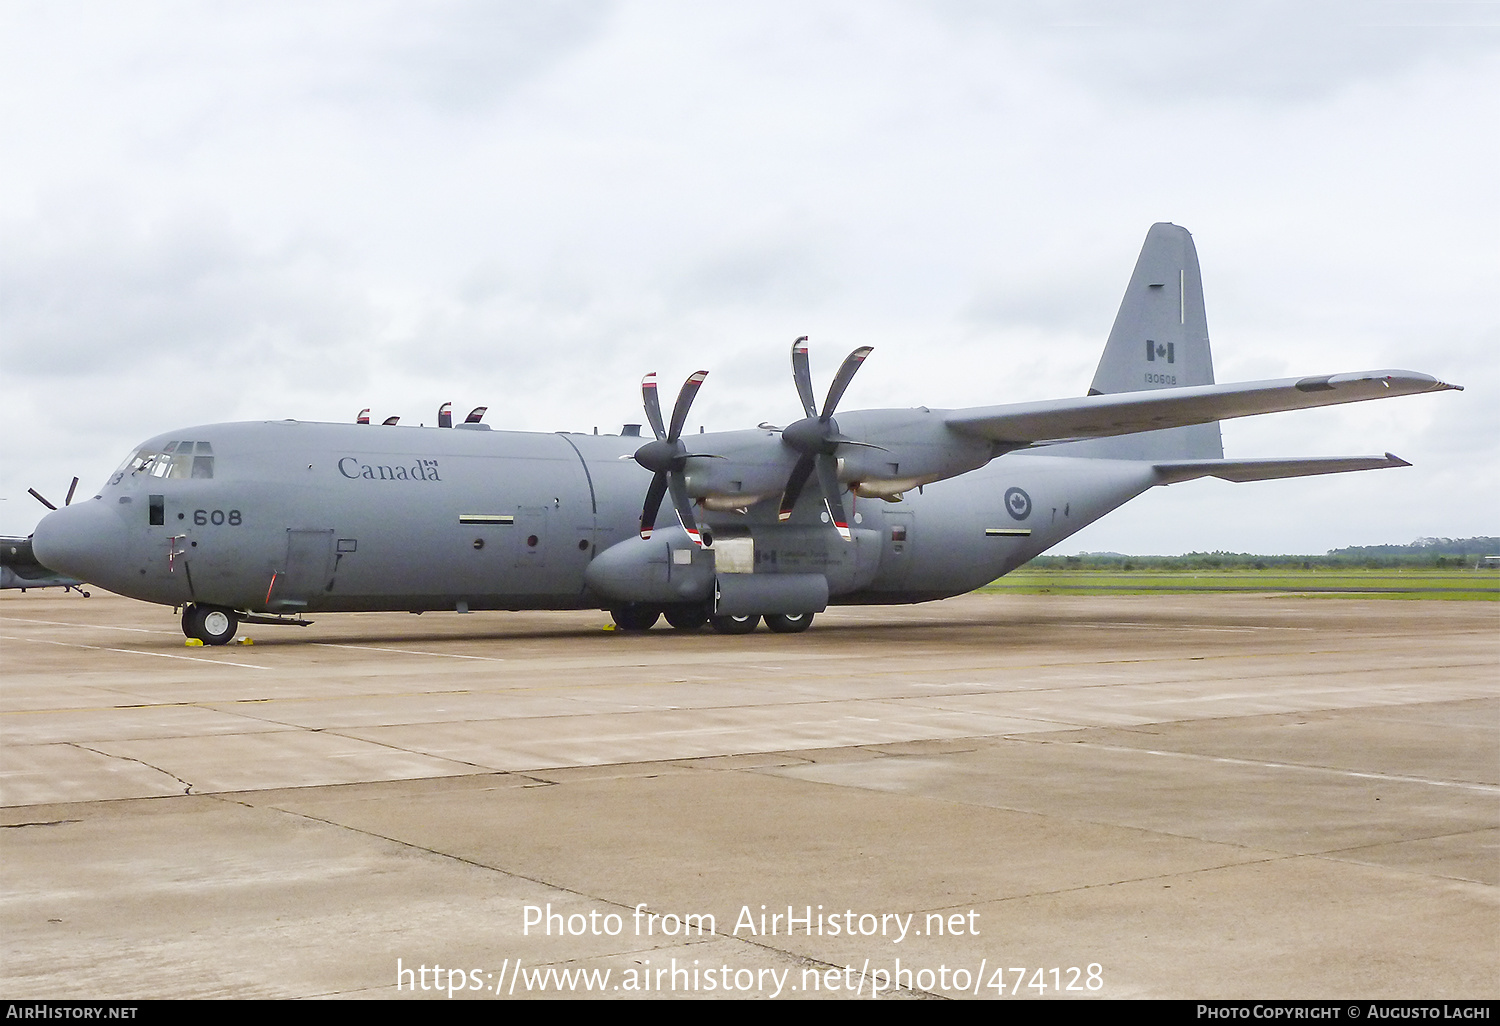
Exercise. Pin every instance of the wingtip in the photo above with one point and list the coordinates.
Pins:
(1396, 461)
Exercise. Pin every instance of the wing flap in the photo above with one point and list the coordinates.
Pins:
(1123, 413)
(1272, 469)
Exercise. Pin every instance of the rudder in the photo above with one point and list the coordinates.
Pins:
(1159, 340)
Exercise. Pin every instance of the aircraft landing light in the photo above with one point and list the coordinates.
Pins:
(1007, 532)
(485, 518)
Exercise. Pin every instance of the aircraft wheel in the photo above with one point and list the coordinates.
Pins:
(687, 618)
(789, 623)
(734, 624)
(209, 624)
(635, 618)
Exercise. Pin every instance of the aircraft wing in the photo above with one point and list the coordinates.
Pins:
(1270, 470)
(1123, 413)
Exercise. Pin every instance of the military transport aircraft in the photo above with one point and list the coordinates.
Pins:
(265, 522)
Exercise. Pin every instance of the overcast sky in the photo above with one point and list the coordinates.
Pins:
(235, 211)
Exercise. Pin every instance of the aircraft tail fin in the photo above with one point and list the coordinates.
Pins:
(1159, 340)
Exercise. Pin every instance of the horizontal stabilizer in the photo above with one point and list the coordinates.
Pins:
(1100, 416)
(1270, 470)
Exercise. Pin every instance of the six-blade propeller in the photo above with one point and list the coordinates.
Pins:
(817, 436)
(667, 456)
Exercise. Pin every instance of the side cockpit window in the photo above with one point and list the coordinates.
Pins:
(190, 459)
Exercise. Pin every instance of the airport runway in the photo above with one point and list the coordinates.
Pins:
(996, 796)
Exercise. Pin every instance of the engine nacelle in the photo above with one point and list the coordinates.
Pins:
(665, 568)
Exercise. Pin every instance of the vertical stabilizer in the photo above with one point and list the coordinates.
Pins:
(1160, 340)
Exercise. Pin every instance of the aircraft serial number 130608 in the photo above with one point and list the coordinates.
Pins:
(262, 522)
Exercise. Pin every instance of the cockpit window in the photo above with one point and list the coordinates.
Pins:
(187, 459)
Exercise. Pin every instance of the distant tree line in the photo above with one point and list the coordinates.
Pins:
(1424, 552)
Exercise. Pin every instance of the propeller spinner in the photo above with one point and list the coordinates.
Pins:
(817, 436)
(667, 456)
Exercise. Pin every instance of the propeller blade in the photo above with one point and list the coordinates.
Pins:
(476, 415)
(803, 377)
(684, 505)
(828, 477)
(800, 473)
(653, 405)
(38, 497)
(390, 421)
(841, 380)
(684, 403)
(445, 415)
(653, 503)
(71, 489)
(364, 416)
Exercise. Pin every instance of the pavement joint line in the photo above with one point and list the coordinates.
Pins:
(134, 651)
(407, 651)
(335, 732)
(448, 856)
(1181, 658)
(1393, 777)
(530, 879)
(86, 626)
(981, 690)
(187, 787)
(1350, 856)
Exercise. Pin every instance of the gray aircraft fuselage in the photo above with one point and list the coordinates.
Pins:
(302, 517)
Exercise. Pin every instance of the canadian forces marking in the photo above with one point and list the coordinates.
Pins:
(422, 470)
(1017, 503)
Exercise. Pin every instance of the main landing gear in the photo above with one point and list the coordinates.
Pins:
(211, 625)
(779, 623)
(637, 618)
(789, 623)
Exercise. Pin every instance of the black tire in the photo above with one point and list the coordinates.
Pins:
(735, 624)
(635, 619)
(789, 623)
(687, 618)
(211, 625)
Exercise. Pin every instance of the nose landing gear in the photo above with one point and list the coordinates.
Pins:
(209, 624)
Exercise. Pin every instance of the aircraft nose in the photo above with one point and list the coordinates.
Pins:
(85, 540)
